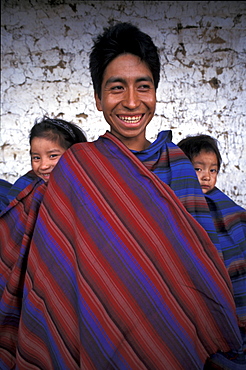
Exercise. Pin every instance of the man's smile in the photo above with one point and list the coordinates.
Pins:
(130, 119)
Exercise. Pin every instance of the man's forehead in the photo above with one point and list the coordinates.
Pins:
(127, 65)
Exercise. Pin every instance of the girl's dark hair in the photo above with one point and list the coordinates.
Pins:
(54, 129)
(192, 145)
(121, 39)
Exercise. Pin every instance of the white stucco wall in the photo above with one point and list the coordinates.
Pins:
(45, 57)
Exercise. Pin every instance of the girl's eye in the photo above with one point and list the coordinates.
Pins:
(35, 158)
(214, 171)
(197, 169)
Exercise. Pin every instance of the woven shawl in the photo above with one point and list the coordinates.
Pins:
(230, 222)
(16, 188)
(226, 227)
(171, 165)
(118, 275)
(4, 188)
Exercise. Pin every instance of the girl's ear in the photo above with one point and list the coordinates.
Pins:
(98, 102)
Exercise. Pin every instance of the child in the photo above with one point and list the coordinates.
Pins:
(49, 139)
(203, 152)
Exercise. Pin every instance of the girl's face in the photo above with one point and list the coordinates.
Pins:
(206, 167)
(44, 156)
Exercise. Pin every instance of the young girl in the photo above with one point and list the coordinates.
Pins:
(49, 138)
(203, 152)
(230, 222)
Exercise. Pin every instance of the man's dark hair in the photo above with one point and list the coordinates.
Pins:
(120, 39)
(192, 145)
(55, 129)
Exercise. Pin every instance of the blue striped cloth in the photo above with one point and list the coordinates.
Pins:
(171, 165)
(112, 272)
(230, 222)
(9, 192)
(226, 227)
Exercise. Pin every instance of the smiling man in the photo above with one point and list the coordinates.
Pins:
(128, 101)
(113, 270)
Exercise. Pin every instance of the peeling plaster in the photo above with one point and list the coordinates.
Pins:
(45, 57)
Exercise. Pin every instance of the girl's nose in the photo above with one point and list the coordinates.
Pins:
(206, 175)
(44, 164)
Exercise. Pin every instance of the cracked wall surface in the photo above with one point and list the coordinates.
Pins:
(45, 58)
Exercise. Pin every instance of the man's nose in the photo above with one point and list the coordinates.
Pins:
(131, 100)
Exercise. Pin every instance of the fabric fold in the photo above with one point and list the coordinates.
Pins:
(117, 273)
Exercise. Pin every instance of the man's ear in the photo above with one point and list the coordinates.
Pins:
(98, 102)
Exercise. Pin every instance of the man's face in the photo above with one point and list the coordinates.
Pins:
(128, 99)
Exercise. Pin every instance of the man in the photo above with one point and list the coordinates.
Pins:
(114, 272)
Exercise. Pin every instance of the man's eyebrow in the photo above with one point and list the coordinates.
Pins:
(122, 80)
(145, 78)
(114, 79)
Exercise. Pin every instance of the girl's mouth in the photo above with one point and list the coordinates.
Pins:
(45, 176)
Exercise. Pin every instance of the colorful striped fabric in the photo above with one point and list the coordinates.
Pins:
(226, 227)
(169, 163)
(230, 222)
(16, 188)
(118, 275)
(4, 188)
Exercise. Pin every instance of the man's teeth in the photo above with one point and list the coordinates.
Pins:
(134, 119)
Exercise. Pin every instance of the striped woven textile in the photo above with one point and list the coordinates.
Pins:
(171, 165)
(16, 188)
(226, 227)
(4, 188)
(230, 222)
(113, 273)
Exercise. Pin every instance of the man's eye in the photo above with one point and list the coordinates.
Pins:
(115, 88)
(144, 87)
